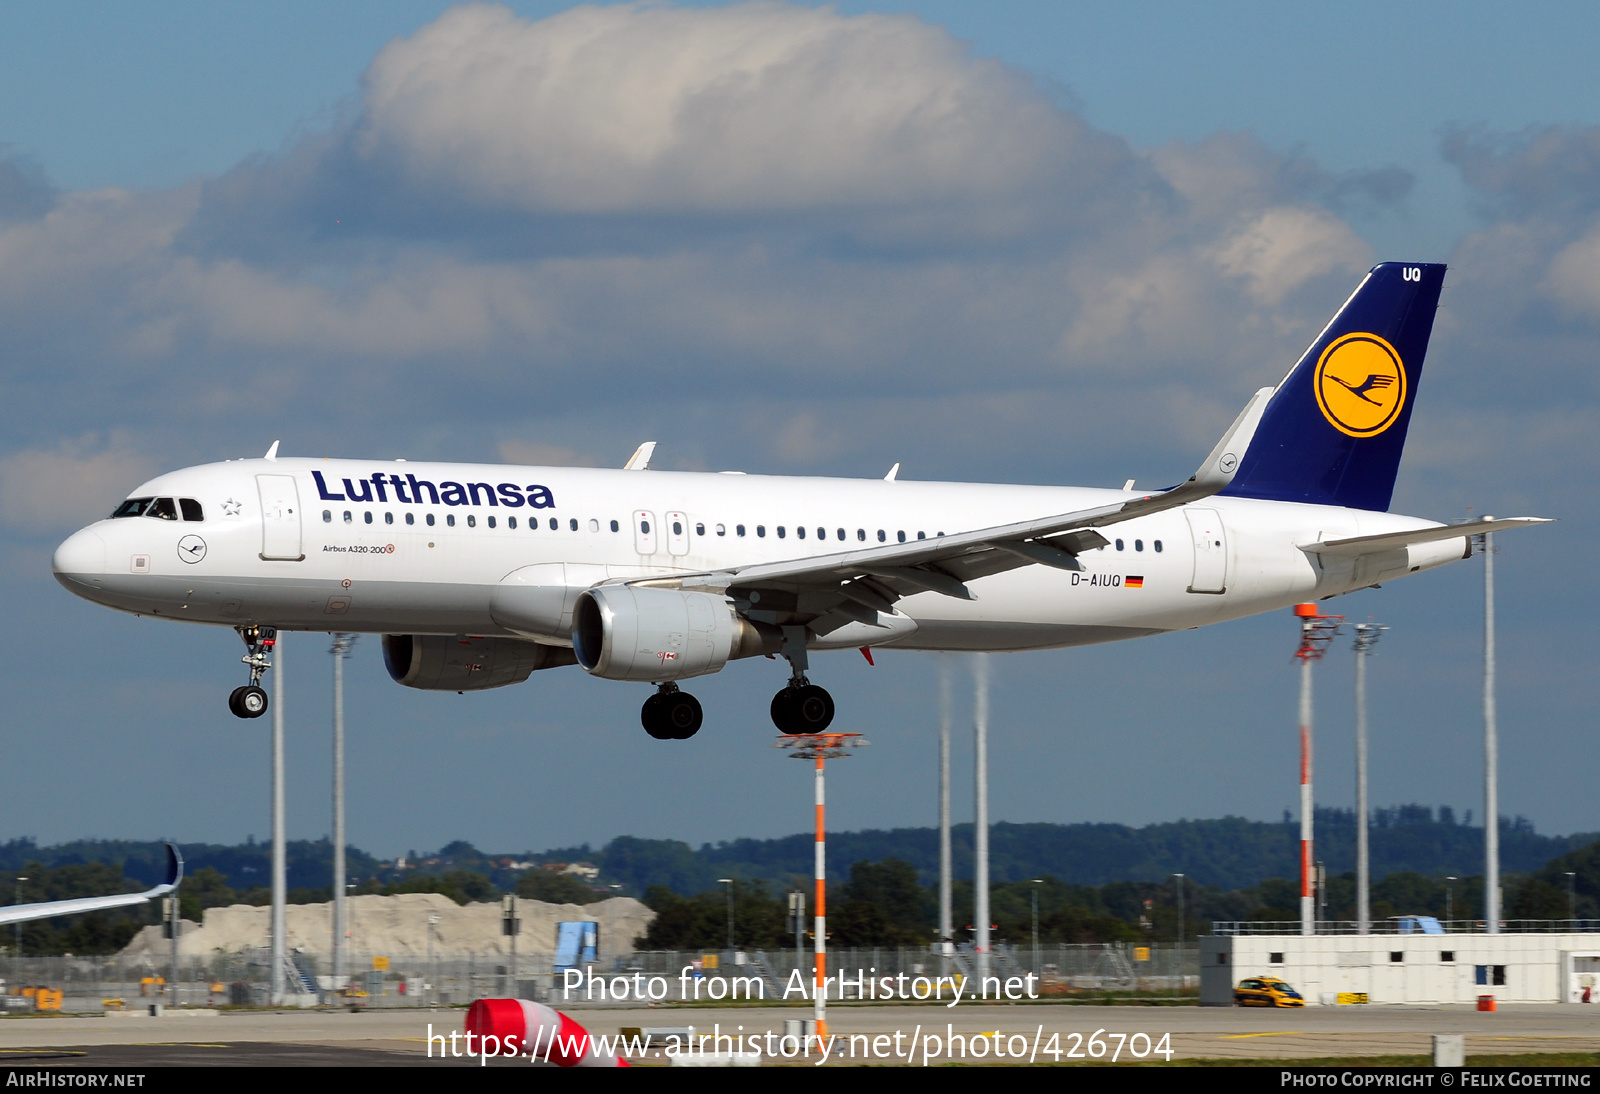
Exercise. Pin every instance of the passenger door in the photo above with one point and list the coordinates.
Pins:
(280, 518)
(1210, 551)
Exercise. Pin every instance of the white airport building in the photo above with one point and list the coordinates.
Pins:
(1407, 968)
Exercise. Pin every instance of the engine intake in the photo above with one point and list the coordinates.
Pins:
(438, 662)
(623, 632)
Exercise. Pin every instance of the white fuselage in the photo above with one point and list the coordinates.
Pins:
(277, 547)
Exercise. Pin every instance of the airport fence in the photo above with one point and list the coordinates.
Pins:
(1407, 925)
(91, 984)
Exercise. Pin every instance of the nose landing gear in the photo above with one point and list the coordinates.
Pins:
(671, 715)
(250, 701)
(802, 707)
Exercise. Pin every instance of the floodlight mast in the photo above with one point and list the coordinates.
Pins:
(980, 820)
(340, 649)
(1491, 751)
(820, 747)
(1367, 635)
(280, 889)
(946, 932)
(1316, 631)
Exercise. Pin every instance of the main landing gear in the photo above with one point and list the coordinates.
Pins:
(671, 715)
(250, 701)
(802, 707)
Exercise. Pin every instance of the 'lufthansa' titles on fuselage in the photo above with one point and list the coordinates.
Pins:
(376, 488)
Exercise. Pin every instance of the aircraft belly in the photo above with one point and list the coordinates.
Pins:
(306, 603)
(956, 635)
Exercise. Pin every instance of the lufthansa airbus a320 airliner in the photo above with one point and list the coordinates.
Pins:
(476, 576)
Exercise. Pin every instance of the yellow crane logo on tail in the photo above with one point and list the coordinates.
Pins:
(1360, 385)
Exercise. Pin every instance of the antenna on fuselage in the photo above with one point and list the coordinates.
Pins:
(893, 471)
(272, 453)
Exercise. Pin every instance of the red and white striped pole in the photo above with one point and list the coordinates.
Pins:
(820, 924)
(1316, 631)
(1308, 907)
(820, 747)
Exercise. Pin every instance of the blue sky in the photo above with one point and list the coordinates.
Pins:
(543, 234)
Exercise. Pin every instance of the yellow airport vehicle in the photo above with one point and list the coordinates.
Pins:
(1266, 991)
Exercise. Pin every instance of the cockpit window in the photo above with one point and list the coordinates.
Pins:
(191, 509)
(133, 507)
(163, 508)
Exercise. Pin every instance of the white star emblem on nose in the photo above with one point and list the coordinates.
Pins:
(231, 507)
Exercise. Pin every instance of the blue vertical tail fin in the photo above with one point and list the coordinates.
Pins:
(1334, 431)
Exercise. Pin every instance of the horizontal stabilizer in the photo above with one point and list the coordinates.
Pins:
(1361, 545)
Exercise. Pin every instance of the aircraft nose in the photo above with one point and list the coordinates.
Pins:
(82, 554)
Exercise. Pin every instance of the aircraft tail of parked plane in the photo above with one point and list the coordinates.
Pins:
(479, 576)
(1336, 426)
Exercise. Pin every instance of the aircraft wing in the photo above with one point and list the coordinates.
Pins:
(827, 591)
(1388, 541)
(19, 913)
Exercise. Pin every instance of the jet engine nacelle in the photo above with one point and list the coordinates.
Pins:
(624, 632)
(437, 662)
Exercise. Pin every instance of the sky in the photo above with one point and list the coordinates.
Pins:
(1044, 243)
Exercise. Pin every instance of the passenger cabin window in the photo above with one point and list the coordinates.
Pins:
(615, 527)
(133, 507)
(347, 517)
(1119, 545)
(388, 518)
(761, 531)
(472, 520)
(738, 529)
(327, 516)
(553, 524)
(861, 535)
(841, 534)
(429, 519)
(902, 536)
(1158, 546)
(1138, 545)
(367, 516)
(450, 519)
(882, 535)
(722, 529)
(800, 531)
(781, 531)
(511, 522)
(699, 529)
(491, 522)
(594, 526)
(191, 509)
(164, 508)
(411, 518)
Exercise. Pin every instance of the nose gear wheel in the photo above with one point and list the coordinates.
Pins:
(250, 701)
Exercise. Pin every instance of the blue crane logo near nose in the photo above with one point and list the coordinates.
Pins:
(191, 549)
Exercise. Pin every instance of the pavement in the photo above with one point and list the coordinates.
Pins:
(878, 1034)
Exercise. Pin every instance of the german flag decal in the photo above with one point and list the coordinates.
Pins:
(1132, 582)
